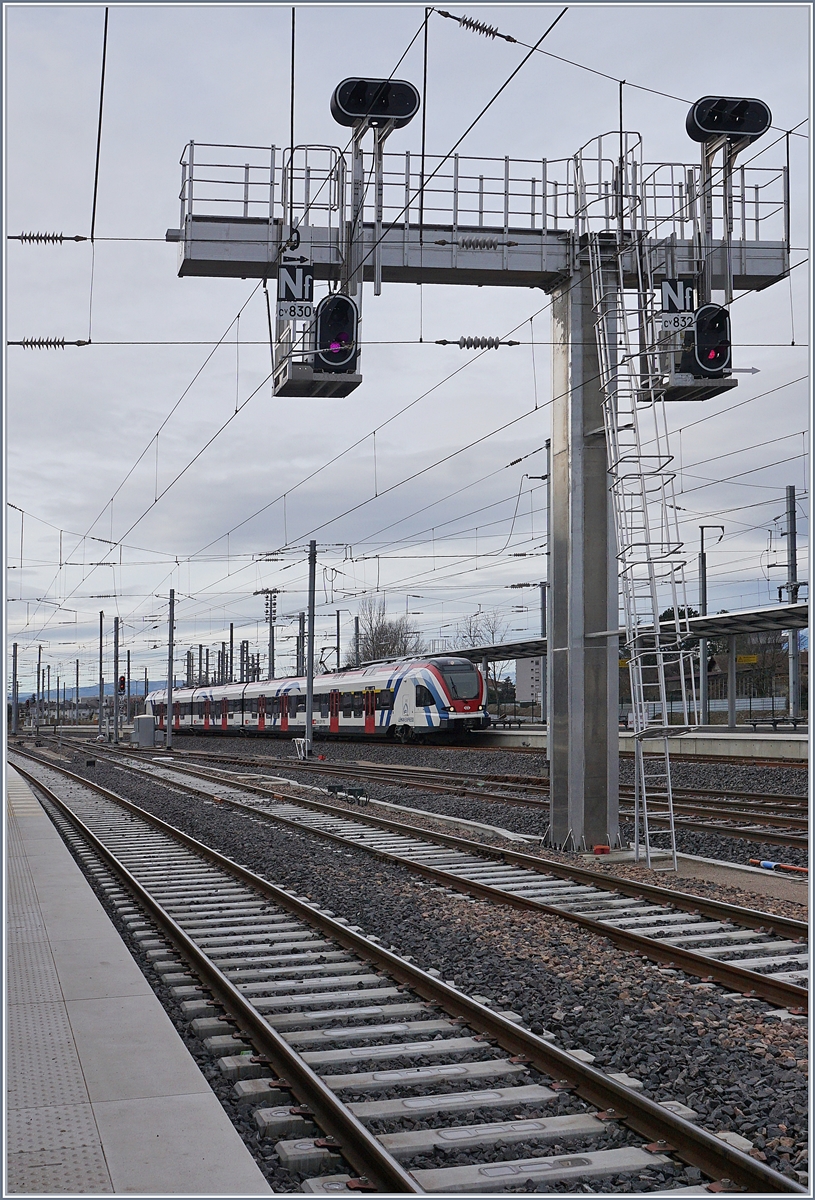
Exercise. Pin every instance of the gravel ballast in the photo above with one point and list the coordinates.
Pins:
(791, 780)
(532, 821)
(740, 1068)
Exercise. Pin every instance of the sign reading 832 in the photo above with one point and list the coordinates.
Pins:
(676, 321)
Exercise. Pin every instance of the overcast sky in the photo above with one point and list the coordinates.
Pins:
(78, 419)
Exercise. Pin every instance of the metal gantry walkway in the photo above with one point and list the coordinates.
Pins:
(496, 221)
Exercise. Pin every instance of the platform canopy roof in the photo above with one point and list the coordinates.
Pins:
(752, 620)
(772, 619)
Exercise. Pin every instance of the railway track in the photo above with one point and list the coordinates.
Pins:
(736, 760)
(476, 783)
(773, 819)
(742, 949)
(365, 1042)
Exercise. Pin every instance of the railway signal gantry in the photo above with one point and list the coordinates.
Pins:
(600, 232)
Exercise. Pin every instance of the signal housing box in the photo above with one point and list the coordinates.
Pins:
(300, 379)
(376, 100)
(727, 116)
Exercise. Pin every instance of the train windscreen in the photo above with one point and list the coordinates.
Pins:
(462, 679)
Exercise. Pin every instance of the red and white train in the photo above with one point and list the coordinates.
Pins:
(409, 698)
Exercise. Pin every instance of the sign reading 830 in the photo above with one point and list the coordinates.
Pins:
(295, 310)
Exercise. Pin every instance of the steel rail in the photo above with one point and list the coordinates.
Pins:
(775, 991)
(445, 778)
(732, 814)
(695, 1146)
(362, 1149)
(717, 909)
(738, 760)
(770, 836)
(428, 779)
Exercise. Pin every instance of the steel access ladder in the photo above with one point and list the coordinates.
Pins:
(649, 548)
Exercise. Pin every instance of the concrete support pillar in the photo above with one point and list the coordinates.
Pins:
(731, 682)
(584, 673)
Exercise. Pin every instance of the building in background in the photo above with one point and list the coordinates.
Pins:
(528, 680)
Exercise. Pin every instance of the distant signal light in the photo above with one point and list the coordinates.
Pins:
(728, 116)
(379, 101)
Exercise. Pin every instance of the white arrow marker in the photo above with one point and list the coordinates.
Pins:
(745, 371)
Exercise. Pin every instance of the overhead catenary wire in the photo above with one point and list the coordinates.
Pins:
(155, 439)
(759, 468)
(426, 180)
(156, 436)
(492, 33)
(527, 414)
(359, 441)
(414, 475)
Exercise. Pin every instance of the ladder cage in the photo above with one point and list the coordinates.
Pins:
(632, 351)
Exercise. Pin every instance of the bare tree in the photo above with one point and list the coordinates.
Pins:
(494, 626)
(470, 632)
(495, 630)
(381, 636)
(484, 629)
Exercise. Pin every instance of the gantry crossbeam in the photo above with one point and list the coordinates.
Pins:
(251, 248)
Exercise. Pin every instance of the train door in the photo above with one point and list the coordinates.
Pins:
(284, 713)
(405, 712)
(370, 710)
(161, 708)
(334, 711)
(261, 713)
(206, 714)
(176, 715)
(224, 713)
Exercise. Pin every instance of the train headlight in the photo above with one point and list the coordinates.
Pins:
(451, 708)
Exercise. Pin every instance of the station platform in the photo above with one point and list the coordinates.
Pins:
(102, 1094)
(708, 743)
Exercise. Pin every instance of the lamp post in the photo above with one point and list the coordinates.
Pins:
(168, 741)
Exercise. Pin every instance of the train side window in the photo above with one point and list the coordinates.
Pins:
(424, 696)
(301, 704)
(201, 708)
(358, 704)
(347, 703)
(323, 699)
(384, 699)
(253, 707)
